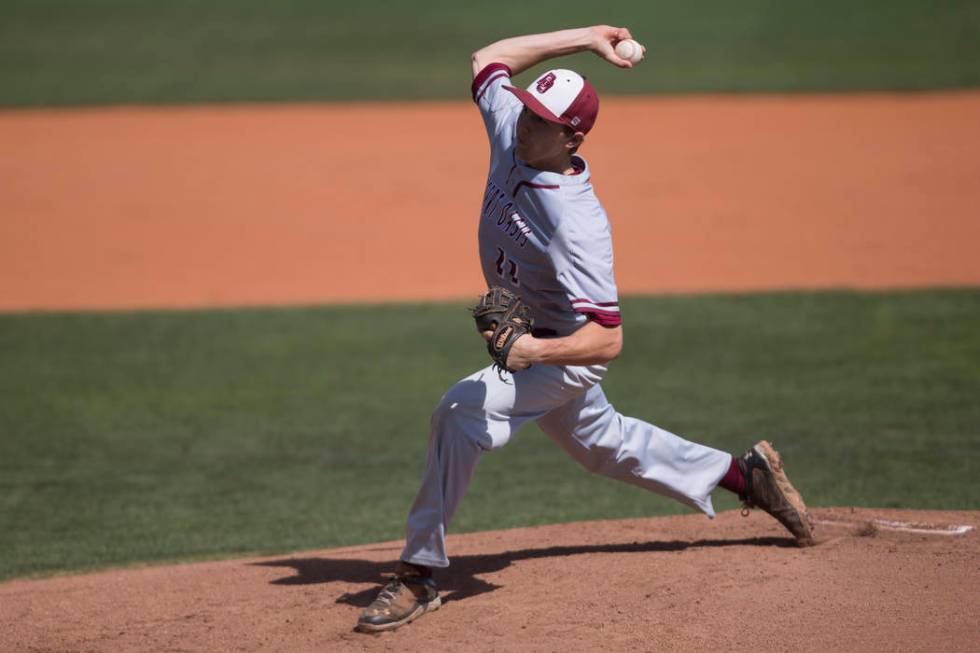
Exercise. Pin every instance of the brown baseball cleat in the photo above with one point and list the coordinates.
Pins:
(767, 487)
(405, 597)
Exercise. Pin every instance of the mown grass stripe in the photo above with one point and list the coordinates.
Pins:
(129, 437)
(61, 52)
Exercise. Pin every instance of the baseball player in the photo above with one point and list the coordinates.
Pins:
(544, 236)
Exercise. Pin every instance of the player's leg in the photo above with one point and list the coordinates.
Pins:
(478, 414)
(640, 453)
(631, 450)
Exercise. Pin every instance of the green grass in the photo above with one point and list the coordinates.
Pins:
(65, 52)
(128, 437)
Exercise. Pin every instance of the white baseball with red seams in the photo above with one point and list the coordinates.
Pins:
(630, 50)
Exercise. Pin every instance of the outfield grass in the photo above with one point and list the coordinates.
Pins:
(156, 436)
(64, 52)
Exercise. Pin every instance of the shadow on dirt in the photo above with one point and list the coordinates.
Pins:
(460, 580)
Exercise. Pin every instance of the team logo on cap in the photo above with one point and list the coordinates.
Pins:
(546, 82)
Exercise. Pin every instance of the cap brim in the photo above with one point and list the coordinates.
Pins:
(535, 105)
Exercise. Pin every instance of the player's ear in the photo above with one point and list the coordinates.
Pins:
(574, 141)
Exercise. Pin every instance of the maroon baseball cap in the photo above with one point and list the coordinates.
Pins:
(561, 96)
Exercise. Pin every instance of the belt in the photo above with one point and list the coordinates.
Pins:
(544, 333)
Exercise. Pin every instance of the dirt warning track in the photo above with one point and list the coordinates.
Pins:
(188, 207)
(665, 584)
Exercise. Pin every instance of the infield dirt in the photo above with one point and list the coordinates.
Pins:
(664, 584)
(127, 207)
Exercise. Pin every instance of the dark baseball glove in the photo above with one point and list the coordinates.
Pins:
(502, 312)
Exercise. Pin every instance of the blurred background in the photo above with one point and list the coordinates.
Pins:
(65, 53)
(216, 338)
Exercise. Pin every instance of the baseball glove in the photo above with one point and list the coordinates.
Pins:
(502, 312)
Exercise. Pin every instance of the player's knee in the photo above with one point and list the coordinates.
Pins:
(465, 395)
(454, 425)
(461, 414)
(446, 413)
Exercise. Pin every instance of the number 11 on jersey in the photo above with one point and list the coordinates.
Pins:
(507, 266)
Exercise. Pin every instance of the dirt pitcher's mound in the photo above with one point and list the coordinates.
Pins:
(879, 580)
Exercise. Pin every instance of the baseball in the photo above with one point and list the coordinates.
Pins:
(630, 50)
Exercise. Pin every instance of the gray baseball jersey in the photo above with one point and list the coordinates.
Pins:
(542, 234)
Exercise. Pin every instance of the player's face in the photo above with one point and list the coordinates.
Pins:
(543, 144)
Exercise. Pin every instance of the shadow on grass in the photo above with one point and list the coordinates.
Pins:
(460, 580)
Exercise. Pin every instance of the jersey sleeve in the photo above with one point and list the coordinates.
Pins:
(583, 259)
(498, 106)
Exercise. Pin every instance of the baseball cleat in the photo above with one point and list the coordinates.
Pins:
(403, 599)
(767, 487)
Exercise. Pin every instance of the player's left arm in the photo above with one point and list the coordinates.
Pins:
(592, 344)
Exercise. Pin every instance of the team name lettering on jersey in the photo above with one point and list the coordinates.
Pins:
(498, 208)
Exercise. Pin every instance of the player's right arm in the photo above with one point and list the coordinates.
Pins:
(522, 52)
(592, 344)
